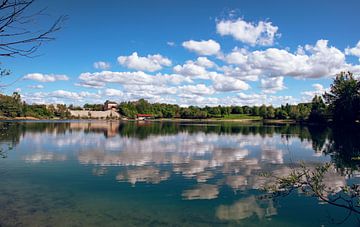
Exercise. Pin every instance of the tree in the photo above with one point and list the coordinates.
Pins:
(19, 33)
(237, 110)
(344, 98)
(312, 181)
(270, 112)
(87, 106)
(263, 111)
(225, 110)
(255, 111)
(304, 111)
(214, 111)
(318, 111)
(294, 112)
(127, 109)
(143, 106)
(281, 114)
(62, 111)
(11, 106)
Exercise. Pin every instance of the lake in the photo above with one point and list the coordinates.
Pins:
(98, 173)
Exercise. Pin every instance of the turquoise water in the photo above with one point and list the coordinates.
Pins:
(98, 173)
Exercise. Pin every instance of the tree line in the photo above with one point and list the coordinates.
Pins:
(161, 110)
(341, 104)
(13, 107)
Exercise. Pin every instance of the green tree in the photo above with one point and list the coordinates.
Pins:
(237, 110)
(62, 111)
(318, 111)
(127, 109)
(225, 110)
(255, 111)
(143, 107)
(270, 112)
(214, 111)
(263, 111)
(294, 112)
(304, 111)
(344, 98)
(281, 114)
(11, 106)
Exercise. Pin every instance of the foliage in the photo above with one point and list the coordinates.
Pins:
(12, 106)
(311, 181)
(94, 107)
(344, 147)
(318, 111)
(344, 98)
(343, 106)
(72, 107)
(19, 32)
(242, 116)
(298, 112)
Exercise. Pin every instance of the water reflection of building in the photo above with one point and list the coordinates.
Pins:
(110, 129)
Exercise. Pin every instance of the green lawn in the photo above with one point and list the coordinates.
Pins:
(241, 116)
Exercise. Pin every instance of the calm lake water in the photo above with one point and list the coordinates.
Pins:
(98, 173)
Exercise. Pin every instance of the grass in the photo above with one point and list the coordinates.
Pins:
(240, 117)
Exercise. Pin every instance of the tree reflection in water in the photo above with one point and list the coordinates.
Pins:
(215, 155)
(325, 181)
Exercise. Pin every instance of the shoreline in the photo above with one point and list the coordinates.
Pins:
(264, 121)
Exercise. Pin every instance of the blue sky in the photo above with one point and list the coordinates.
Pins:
(190, 52)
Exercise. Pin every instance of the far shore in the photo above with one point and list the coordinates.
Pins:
(266, 121)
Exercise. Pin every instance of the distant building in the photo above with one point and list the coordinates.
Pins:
(93, 114)
(142, 117)
(109, 105)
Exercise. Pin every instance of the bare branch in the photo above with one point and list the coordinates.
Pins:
(18, 36)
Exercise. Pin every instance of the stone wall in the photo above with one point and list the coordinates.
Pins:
(94, 114)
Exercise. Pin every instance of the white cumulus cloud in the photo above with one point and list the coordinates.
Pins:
(225, 84)
(149, 63)
(312, 61)
(262, 33)
(101, 65)
(132, 78)
(272, 85)
(38, 86)
(204, 62)
(355, 51)
(191, 69)
(203, 47)
(198, 89)
(45, 77)
(318, 89)
(113, 92)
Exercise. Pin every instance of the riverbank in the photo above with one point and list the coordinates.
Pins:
(18, 118)
(244, 120)
(265, 121)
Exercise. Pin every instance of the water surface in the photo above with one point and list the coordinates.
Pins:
(98, 173)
